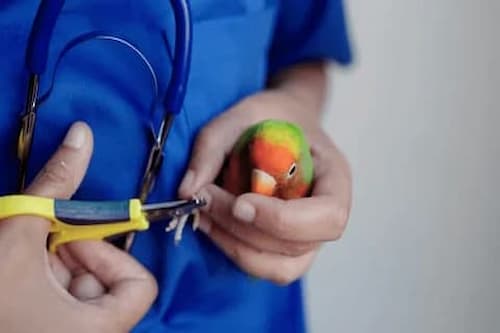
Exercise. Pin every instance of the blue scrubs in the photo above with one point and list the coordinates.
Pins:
(237, 45)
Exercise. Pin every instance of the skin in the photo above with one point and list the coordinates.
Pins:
(265, 236)
(88, 286)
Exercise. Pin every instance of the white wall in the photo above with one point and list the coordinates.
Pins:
(419, 118)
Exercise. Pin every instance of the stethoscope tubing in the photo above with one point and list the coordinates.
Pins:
(36, 62)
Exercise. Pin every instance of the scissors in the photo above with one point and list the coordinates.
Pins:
(36, 63)
(73, 220)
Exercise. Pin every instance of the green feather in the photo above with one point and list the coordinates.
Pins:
(245, 138)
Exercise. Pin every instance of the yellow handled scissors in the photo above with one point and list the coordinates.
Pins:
(85, 220)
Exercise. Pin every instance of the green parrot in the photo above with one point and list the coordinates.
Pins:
(272, 158)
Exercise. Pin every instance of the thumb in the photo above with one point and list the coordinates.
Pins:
(212, 145)
(61, 176)
(63, 173)
(132, 289)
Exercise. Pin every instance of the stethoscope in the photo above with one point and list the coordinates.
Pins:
(36, 62)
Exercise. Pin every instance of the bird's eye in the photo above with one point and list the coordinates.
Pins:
(292, 170)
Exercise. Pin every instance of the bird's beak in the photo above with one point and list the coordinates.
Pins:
(263, 183)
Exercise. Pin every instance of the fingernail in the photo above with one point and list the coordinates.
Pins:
(205, 225)
(187, 183)
(244, 211)
(75, 138)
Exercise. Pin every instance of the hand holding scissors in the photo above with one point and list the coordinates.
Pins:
(89, 286)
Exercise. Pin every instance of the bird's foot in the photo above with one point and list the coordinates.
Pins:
(178, 224)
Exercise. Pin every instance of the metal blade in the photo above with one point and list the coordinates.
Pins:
(172, 209)
(162, 205)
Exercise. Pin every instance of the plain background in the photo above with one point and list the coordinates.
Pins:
(418, 117)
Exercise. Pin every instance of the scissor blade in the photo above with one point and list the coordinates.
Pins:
(163, 205)
(172, 209)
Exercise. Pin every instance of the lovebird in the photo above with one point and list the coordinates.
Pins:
(272, 158)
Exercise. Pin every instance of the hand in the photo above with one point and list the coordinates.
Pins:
(268, 237)
(89, 287)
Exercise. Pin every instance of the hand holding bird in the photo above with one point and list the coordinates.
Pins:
(274, 236)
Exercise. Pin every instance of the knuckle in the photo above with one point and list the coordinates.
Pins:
(101, 265)
(342, 218)
(232, 228)
(235, 229)
(336, 219)
(280, 221)
(56, 172)
(149, 283)
(152, 283)
(285, 274)
(236, 253)
(19, 238)
(339, 219)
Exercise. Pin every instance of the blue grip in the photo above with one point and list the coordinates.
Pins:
(176, 90)
(41, 33)
(92, 212)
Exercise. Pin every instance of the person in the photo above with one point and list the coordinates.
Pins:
(90, 287)
(252, 60)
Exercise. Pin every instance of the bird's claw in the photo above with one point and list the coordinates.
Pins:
(196, 220)
(172, 225)
(180, 227)
(178, 224)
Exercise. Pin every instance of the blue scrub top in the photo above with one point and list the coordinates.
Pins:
(237, 45)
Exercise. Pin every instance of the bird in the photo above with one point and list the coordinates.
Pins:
(271, 158)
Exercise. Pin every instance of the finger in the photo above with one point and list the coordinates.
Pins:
(86, 287)
(60, 177)
(211, 147)
(83, 285)
(309, 219)
(219, 208)
(274, 267)
(332, 172)
(72, 264)
(64, 172)
(60, 272)
(132, 289)
(217, 139)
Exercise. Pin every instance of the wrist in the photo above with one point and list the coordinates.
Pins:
(306, 83)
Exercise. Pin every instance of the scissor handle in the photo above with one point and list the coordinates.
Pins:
(78, 220)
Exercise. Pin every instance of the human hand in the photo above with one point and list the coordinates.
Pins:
(268, 237)
(90, 286)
